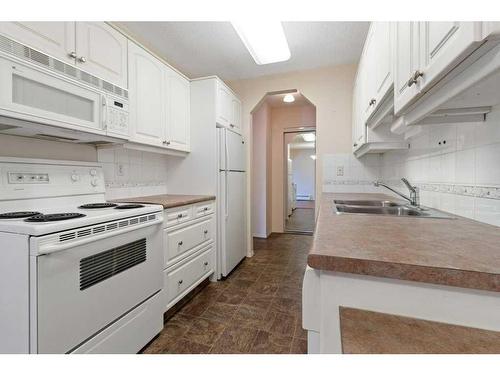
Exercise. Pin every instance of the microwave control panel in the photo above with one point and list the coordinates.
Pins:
(117, 116)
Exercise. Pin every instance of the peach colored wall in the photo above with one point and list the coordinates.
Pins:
(329, 89)
(281, 119)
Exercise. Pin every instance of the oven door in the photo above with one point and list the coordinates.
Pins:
(83, 289)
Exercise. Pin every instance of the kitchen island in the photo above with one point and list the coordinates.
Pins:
(438, 271)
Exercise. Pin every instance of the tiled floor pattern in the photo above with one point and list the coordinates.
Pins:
(301, 220)
(257, 309)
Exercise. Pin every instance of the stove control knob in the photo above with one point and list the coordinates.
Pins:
(93, 172)
(74, 177)
(94, 182)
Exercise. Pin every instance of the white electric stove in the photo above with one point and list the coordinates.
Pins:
(77, 274)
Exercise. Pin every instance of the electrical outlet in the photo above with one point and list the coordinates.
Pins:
(340, 170)
(120, 170)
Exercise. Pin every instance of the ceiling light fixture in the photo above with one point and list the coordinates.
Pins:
(288, 98)
(265, 40)
(313, 157)
(309, 137)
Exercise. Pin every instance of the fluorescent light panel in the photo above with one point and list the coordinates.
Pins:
(265, 40)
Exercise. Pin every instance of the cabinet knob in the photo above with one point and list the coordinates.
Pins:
(179, 216)
(205, 209)
(373, 101)
(206, 263)
(414, 78)
(355, 144)
(180, 282)
(231, 125)
(180, 243)
(205, 231)
(166, 142)
(82, 59)
(72, 54)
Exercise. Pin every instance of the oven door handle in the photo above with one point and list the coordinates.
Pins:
(49, 249)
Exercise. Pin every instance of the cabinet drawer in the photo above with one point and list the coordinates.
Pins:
(178, 215)
(178, 282)
(203, 209)
(179, 241)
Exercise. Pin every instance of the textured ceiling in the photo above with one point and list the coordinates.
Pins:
(213, 48)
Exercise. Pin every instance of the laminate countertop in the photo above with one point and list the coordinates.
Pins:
(461, 252)
(169, 200)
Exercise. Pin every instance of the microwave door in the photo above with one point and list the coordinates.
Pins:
(30, 94)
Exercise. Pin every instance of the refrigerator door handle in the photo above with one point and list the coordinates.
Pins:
(226, 202)
(226, 150)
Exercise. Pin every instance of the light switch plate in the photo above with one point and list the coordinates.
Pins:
(340, 171)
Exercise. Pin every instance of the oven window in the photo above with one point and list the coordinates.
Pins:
(102, 266)
(47, 98)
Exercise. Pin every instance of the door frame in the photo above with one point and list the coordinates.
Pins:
(296, 130)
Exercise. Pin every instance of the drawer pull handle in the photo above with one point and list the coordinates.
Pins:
(205, 231)
(179, 216)
(180, 243)
(180, 282)
(206, 263)
(205, 209)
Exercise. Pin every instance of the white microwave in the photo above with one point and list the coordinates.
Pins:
(39, 101)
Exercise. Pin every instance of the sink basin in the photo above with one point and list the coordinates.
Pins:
(389, 210)
(394, 211)
(371, 203)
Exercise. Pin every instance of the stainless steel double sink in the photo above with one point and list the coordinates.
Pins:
(385, 207)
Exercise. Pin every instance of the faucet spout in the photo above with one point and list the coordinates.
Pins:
(413, 198)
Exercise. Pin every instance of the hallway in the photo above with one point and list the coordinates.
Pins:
(257, 309)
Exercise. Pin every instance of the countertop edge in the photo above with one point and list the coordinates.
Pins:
(182, 201)
(409, 272)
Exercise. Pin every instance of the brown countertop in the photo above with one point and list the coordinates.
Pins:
(169, 200)
(461, 252)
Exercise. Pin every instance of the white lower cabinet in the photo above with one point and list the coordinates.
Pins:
(189, 249)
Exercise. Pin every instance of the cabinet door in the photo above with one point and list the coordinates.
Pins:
(367, 69)
(358, 115)
(102, 51)
(147, 99)
(406, 48)
(443, 45)
(235, 114)
(56, 39)
(223, 105)
(382, 74)
(178, 116)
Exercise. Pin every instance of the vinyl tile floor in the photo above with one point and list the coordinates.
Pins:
(256, 309)
(301, 220)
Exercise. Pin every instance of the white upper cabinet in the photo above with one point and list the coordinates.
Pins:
(159, 103)
(223, 105)
(407, 62)
(235, 114)
(94, 47)
(102, 51)
(147, 101)
(443, 45)
(178, 114)
(228, 111)
(56, 39)
(426, 52)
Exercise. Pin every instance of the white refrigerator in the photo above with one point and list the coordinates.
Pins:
(231, 200)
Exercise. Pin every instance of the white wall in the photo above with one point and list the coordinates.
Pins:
(261, 199)
(303, 167)
(143, 173)
(129, 173)
(461, 176)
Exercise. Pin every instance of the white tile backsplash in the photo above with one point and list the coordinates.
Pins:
(456, 166)
(129, 173)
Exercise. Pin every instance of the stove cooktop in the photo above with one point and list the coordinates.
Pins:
(97, 205)
(54, 217)
(18, 214)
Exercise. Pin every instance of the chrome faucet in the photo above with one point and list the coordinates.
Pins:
(413, 198)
